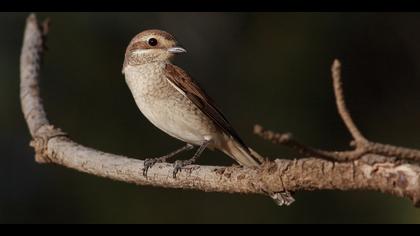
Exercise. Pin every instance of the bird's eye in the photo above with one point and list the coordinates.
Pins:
(152, 42)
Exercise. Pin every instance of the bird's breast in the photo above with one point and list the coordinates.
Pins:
(164, 106)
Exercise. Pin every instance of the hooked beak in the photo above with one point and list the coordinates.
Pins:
(177, 50)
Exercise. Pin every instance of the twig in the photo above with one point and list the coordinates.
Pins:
(341, 104)
(287, 140)
(363, 147)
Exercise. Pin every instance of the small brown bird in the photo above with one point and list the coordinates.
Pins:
(173, 102)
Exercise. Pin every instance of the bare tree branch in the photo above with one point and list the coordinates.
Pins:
(287, 139)
(341, 104)
(361, 144)
(53, 146)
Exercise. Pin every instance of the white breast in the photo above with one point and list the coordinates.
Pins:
(165, 106)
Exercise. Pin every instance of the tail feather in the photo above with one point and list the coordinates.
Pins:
(243, 155)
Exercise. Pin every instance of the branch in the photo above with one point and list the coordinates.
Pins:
(361, 144)
(341, 104)
(53, 146)
(288, 140)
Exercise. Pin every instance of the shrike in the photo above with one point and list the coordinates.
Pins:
(171, 100)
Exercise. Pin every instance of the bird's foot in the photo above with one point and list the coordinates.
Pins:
(149, 162)
(179, 165)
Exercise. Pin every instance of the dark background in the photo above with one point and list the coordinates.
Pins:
(268, 68)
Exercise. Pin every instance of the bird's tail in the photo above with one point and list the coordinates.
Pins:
(243, 155)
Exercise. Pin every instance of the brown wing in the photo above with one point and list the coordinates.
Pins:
(198, 96)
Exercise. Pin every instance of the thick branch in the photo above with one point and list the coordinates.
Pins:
(53, 146)
(281, 175)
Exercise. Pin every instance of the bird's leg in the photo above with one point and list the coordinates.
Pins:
(149, 162)
(178, 165)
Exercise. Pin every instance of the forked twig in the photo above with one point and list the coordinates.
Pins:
(362, 146)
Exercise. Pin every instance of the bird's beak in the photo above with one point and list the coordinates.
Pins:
(177, 50)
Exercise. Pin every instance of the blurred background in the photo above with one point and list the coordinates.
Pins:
(267, 68)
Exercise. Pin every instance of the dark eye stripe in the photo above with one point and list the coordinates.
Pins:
(152, 42)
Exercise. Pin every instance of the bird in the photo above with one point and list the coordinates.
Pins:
(176, 104)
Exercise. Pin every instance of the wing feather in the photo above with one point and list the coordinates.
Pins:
(189, 88)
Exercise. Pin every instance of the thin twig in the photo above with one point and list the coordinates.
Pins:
(362, 146)
(393, 151)
(341, 104)
(286, 139)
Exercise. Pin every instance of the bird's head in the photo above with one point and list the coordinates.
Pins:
(151, 46)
